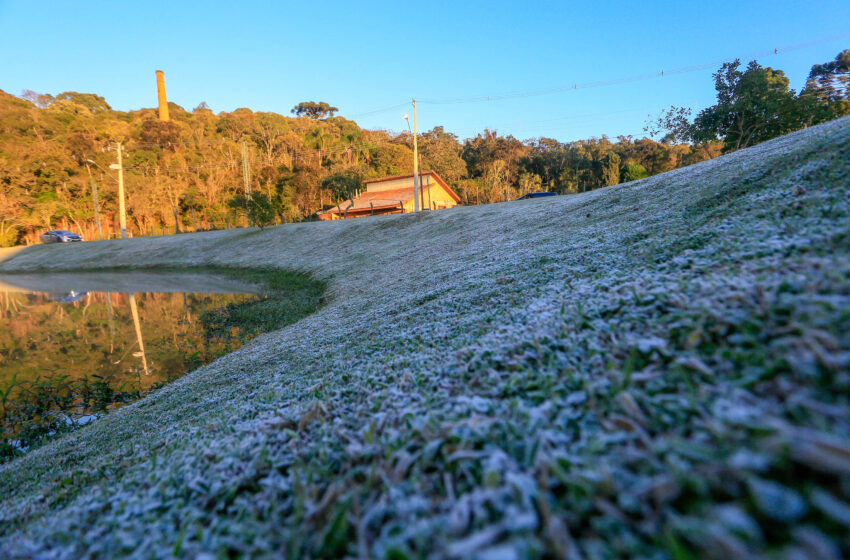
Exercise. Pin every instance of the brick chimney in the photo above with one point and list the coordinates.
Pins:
(160, 92)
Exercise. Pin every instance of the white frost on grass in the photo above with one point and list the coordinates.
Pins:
(649, 368)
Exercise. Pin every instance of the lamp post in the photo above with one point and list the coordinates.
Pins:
(415, 159)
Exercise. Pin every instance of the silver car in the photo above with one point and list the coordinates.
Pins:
(60, 236)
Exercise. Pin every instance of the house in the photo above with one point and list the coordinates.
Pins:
(394, 195)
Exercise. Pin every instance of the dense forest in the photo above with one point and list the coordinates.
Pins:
(55, 151)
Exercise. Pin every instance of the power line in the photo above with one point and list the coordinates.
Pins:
(628, 79)
(382, 110)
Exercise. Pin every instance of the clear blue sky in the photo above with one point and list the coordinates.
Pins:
(361, 56)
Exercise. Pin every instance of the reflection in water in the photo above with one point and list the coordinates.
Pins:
(135, 311)
(63, 356)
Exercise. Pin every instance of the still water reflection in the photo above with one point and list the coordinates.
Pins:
(68, 357)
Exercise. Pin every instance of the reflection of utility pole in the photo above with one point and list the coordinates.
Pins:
(135, 311)
(110, 317)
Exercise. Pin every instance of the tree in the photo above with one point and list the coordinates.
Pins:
(40, 100)
(91, 101)
(633, 172)
(442, 152)
(480, 153)
(529, 182)
(609, 169)
(256, 206)
(390, 159)
(827, 91)
(496, 175)
(313, 110)
(752, 106)
(831, 81)
(162, 134)
(194, 162)
(268, 132)
(343, 185)
(673, 125)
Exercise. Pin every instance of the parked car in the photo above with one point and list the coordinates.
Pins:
(537, 195)
(60, 236)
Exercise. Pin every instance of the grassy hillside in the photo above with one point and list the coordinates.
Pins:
(657, 369)
(181, 174)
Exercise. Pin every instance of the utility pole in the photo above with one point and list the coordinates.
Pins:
(122, 211)
(246, 169)
(415, 164)
(95, 202)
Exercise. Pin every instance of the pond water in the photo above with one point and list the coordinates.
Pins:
(69, 354)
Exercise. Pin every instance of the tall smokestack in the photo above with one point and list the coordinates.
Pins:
(160, 92)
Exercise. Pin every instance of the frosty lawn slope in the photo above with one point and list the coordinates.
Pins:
(657, 369)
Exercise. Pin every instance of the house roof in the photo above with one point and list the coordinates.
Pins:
(402, 176)
(388, 198)
(380, 199)
(410, 176)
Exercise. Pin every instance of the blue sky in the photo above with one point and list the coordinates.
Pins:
(362, 56)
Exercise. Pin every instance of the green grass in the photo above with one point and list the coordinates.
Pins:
(659, 369)
(287, 297)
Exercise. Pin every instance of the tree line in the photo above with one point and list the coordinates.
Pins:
(185, 174)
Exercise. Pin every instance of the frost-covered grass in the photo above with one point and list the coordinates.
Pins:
(659, 369)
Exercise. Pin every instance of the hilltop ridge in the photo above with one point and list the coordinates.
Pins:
(657, 369)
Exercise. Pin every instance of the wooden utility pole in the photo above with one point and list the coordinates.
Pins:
(122, 210)
(246, 169)
(415, 164)
(95, 203)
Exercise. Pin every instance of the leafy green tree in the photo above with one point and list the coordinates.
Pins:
(482, 151)
(313, 110)
(390, 159)
(753, 105)
(343, 185)
(529, 182)
(40, 100)
(496, 176)
(831, 81)
(256, 206)
(163, 134)
(632, 172)
(548, 159)
(91, 101)
(608, 169)
(673, 125)
(442, 152)
(827, 91)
